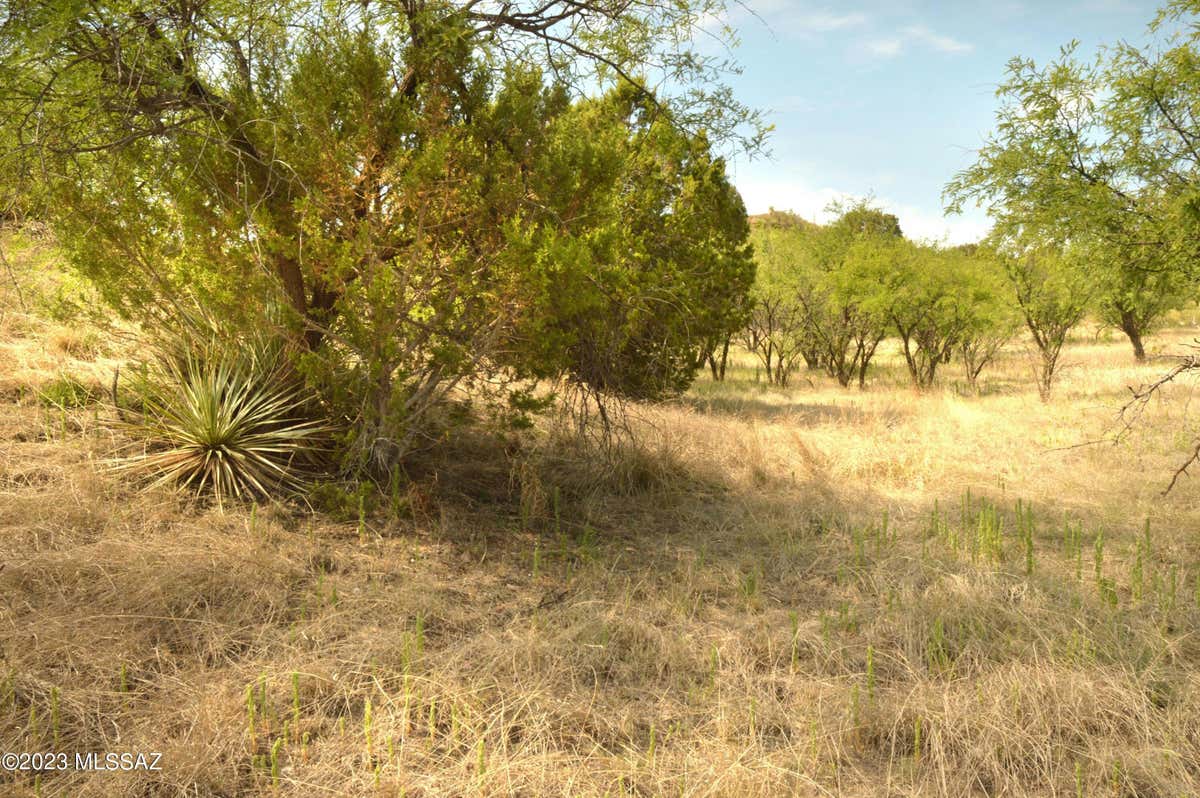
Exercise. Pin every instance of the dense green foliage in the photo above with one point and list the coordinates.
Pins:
(939, 301)
(829, 295)
(638, 269)
(412, 189)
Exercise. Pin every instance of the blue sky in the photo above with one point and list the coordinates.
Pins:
(892, 98)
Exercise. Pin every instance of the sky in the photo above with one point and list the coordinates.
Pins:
(891, 99)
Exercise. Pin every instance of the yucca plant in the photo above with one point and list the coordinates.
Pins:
(222, 417)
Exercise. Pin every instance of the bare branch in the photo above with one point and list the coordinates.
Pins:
(1133, 410)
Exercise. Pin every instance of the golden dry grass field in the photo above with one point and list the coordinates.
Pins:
(811, 591)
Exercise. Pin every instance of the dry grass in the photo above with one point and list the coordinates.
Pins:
(758, 598)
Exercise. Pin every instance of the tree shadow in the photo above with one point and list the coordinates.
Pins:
(797, 412)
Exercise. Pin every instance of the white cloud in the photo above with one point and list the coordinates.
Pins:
(825, 21)
(786, 18)
(944, 44)
(760, 195)
(884, 48)
(919, 224)
(914, 35)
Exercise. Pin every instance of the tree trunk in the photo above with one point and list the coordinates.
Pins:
(287, 269)
(716, 365)
(910, 360)
(1130, 326)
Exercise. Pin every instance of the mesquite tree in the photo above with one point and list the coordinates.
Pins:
(1053, 292)
(923, 294)
(848, 320)
(1103, 155)
(780, 327)
(992, 318)
(831, 294)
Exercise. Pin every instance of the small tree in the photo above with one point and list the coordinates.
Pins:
(991, 317)
(925, 295)
(1137, 283)
(715, 355)
(775, 334)
(847, 329)
(848, 319)
(780, 329)
(978, 348)
(1053, 294)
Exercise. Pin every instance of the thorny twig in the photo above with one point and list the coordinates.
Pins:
(1140, 397)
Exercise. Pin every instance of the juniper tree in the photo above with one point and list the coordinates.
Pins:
(422, 194)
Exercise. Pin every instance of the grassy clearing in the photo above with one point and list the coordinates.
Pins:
(812, 591)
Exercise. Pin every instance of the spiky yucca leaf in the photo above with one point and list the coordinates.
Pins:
(225, 420)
